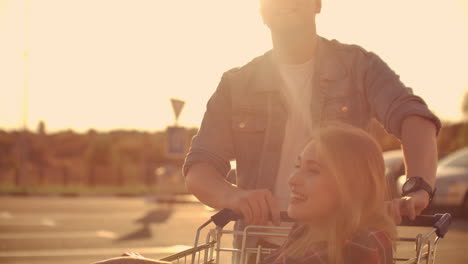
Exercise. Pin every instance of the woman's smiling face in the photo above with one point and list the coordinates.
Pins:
(314, 192)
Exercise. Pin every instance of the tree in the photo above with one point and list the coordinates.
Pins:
(41, 128)
(98, 154)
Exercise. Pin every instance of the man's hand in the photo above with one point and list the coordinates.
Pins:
(131, 260)
(256, 206)
(411, 205)
(132, 254)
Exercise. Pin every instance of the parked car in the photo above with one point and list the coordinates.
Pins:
(451, 182)
(394, 168)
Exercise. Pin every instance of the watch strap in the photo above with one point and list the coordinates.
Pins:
(421, 184)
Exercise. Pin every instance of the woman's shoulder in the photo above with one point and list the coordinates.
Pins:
(370, 246)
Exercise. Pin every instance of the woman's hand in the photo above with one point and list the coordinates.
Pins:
(411, 205)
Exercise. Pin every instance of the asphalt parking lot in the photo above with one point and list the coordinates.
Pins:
(39, 230)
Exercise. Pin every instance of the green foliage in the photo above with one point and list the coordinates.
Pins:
(452, 137)
(99, 150)
(118, 158)
(7, 143)
(127, 190)
(122, 161)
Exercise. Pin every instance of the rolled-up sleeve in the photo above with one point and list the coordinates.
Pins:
(213, 142)
(390, 100)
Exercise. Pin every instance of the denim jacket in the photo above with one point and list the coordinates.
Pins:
(246, 116)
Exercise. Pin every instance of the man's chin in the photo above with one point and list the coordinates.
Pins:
(287, 29)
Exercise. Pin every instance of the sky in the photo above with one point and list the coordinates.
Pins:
(115, 64)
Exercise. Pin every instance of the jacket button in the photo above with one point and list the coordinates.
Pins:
(344, 109)
(242, 125)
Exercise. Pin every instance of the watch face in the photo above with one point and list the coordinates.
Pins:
(409, 185)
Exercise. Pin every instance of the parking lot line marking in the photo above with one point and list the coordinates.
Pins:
(5, 215)
(106, 234)
(43, 222)
(93, 252)
(48, 222)
(60, 235)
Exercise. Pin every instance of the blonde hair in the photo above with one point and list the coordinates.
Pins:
(356, 164)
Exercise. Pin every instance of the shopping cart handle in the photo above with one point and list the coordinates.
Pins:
(223, 217)
(441, 222)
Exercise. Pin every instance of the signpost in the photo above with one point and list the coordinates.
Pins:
(177, 141)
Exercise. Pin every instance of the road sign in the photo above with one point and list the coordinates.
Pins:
(177, 106)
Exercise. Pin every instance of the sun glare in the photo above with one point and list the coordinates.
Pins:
(115, 64)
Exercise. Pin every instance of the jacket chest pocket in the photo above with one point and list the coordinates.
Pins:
(336, 108)
(248, 123)
(343, 102)
(336, 102)
(348, 109)
(248, 133)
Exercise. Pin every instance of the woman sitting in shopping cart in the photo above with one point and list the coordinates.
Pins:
(337, 199)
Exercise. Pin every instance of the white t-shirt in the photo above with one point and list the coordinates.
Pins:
(298, 80)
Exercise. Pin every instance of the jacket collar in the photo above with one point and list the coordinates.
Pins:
(327, 67)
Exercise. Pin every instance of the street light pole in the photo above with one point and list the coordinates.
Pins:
(26, 62)
(23, 140)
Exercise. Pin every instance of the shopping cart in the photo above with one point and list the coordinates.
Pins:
(210, 251)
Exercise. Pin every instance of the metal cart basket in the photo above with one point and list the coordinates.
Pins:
(209, 251)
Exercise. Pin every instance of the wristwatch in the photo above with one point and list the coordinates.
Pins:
(414, 184)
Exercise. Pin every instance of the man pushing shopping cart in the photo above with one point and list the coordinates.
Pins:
(264, 113)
